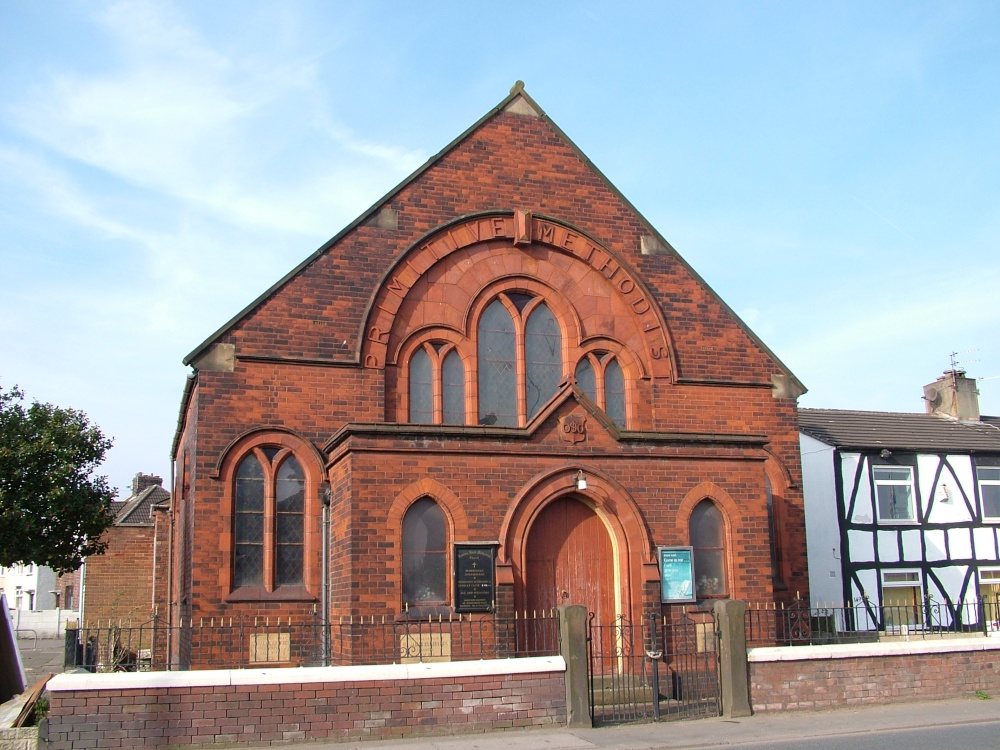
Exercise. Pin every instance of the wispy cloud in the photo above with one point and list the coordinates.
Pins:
(179, 117)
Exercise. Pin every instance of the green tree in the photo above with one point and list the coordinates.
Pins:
(53, 510)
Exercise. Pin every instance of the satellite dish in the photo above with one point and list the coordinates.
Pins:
(931, 395)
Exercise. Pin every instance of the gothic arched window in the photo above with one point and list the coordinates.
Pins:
(268, 520)
(437, 385)
(520, 358)
(708, 538)
(600, 376)
(425, 554)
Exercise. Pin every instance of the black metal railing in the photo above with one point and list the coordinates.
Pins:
(800, 624)
(663, 668)
(233, 643)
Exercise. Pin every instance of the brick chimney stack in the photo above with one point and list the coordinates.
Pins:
(953, 395)
(142, 481)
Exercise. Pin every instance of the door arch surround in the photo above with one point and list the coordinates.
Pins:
(633, 560)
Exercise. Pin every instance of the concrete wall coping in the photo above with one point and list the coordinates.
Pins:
(77, 681)
(862, 650)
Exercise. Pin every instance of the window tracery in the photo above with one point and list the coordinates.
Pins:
(601, 377)
(268, 519)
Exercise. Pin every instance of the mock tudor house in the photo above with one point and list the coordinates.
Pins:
(499, 361)
(903, 510)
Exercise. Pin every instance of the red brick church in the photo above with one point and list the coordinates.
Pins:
(501, 363)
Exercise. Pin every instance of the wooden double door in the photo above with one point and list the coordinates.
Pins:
(570, 560)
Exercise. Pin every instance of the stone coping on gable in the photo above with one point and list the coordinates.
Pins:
(863, 650)
(78, 681)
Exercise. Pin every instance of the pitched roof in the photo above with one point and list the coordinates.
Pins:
(900, 431)
(136, 510)
(517, 102)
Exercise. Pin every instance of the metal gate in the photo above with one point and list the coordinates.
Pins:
(662, 669)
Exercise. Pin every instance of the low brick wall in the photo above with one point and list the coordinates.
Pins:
(275, 706)
(812, 677)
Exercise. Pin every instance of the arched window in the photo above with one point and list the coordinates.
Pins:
(497, 367)
(249, 521)
(543, 358)
(437, 385)
(601, 377)
(425, 554)
(777, 548)
(520, 359)
(708, 538)
(268, 520)
(421, 388)
(453, 389)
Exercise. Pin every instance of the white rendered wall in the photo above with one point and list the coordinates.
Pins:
(822, 525)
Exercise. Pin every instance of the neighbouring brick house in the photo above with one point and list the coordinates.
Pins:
(118, 584)
(501, 360)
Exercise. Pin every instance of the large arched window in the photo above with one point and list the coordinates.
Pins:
(437, 385)
(520, 359)
(425, 554)
(600, 376)
(268, 520)
(708, 538)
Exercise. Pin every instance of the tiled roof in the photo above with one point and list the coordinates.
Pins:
(900, 431)
(136, 510)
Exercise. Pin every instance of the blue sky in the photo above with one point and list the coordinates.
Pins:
(831, 169)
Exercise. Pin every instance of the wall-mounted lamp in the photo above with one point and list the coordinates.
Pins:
(945, 494)
(581, 481)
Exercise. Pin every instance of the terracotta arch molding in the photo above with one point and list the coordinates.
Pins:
(448, 500)
(520, 228)
(635, 560)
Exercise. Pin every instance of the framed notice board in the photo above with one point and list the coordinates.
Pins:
(475, 577)
(676, 574)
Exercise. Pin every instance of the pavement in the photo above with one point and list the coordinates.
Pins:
(44, 656)
(794, 726)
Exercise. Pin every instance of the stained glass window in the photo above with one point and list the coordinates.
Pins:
(425, 554)
(708, 538)
(289, 523)
(543, 358)
(453, 387)
(269, 509)
(249, 523)
(421, 388)
(497, 367)
(614, 392)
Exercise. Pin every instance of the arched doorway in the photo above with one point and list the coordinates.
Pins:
(569, 559)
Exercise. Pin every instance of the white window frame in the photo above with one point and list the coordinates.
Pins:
(989, 577)
(914, 580)
(989, 482)
(876, 483)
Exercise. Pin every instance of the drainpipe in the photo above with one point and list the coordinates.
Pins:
(325, 494)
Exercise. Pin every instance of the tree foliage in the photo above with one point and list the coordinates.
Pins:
(53, 509)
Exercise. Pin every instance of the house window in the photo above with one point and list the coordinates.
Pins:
(902, 602)
(989, 594)
(600, 376)
(425, 554)
(894, 493)
(708, 538)
(269, 520)
(68, 597)
(520, 359)
(989, 491)
(437, 385)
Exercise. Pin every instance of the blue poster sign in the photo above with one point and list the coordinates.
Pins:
(676, 574)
